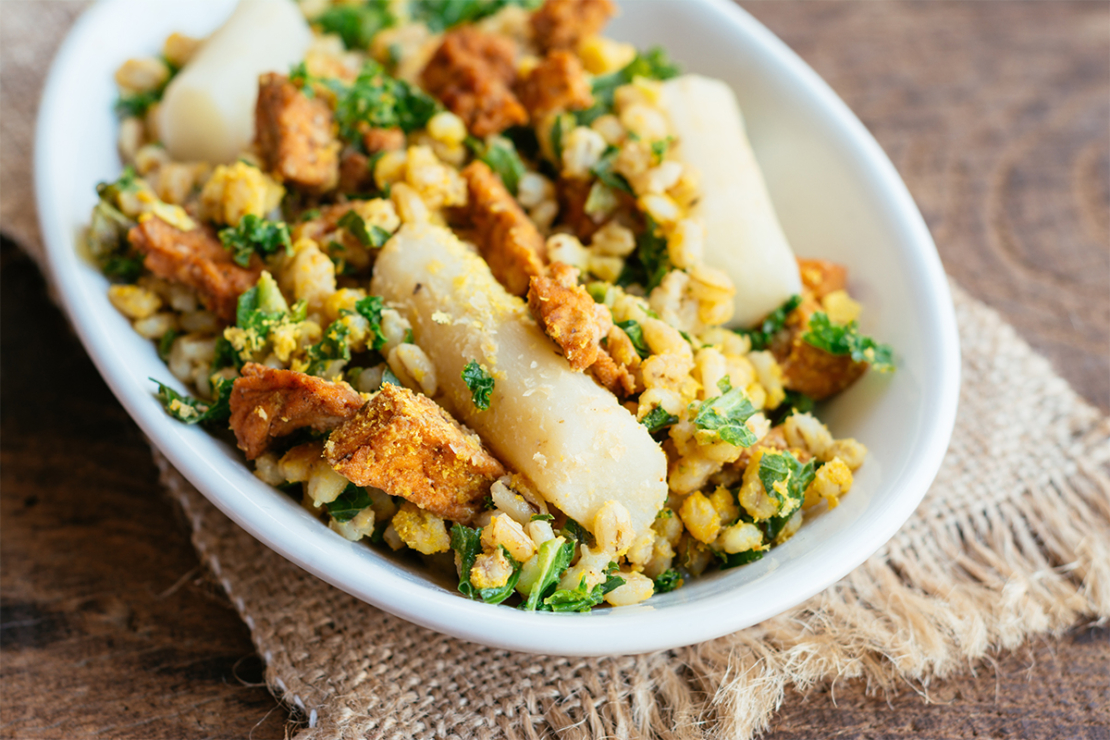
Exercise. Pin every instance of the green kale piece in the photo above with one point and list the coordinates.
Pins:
(564, 123)
(658, 419)
(725, 414)
(737, 559)
(440, 15)
(122, 268)
(667, 581)
(368, 235)
(390, 378)
(794, 402)
(659, 149)
(653, 64)
(542, 518)
(580, 598)
(785, 480)
(136, 105)
(256, 235)
(334, 345)
(575, 532)
(357, 24)
(370, 308)
(502, 158)
(604, 171)
(165, 343)
(761, 337)
(845, 339)
(480, 384)
(552, 560)
(381, 101)
(650, 263)
(353, 500)
(636, 334)
(194, 411)
(226, 356)
(467, 544)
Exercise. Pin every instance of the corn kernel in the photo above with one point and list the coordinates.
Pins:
(134, 302)
(700, 517)
(421, 530)
(601, 55)
(445, 126)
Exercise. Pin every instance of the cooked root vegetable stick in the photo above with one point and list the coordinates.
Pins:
(568, 436)
(207, 112)
(742, 233)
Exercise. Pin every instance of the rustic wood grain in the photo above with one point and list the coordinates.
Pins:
(995, 113)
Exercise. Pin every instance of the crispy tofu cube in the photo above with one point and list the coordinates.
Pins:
(406, 445)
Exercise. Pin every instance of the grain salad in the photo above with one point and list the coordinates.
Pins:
(477, 283)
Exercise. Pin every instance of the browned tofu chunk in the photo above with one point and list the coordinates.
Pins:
(557, 83)
(807, 369)
(197, 259)
(567, 314)
(821, 277)
(507, 238)
(561, 24)
(472, 73)
(577, 325)
(268, 403)
(295, 135)
(406, 445)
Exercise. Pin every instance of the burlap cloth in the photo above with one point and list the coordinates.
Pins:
(1012, 540)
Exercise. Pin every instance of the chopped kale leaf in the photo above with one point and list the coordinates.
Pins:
(552, 560)
(653, 65)
(726, 415)
(349, 503)
(368, 235)
(604, 171)
(256, 235)
(335, 345)
(794, 402)
(845, 339)
(502, 158)
(165, 343)
(737, 559)
(370, 308)
(658, 419)
(649, 264)
(785, 480)
(380, 101)
(636, 335)
(480, 384)
(668, 581)
(357, 24)
(194, 411)
(761, 337)
(440, 15)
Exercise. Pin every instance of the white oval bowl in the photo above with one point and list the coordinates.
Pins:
(837, 195)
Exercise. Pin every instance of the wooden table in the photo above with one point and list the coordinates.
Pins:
(995, 113)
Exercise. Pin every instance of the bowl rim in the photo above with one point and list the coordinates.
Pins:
(626, 630)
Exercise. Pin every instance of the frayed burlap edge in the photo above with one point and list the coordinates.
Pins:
(1013, 540)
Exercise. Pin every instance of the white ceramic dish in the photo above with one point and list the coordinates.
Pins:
(837, 196)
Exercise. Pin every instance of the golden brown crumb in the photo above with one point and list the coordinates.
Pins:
(406, 445)
(268, 403)
(197, 259)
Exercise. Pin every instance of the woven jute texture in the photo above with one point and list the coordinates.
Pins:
(1012, 540)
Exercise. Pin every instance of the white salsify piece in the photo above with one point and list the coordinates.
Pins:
(207, 112)
(742, 233)
(568, 436)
